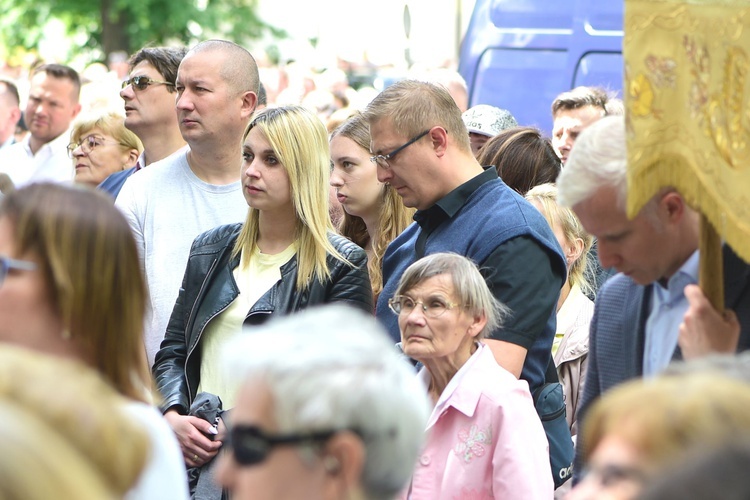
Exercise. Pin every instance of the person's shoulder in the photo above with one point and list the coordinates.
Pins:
(10, 154)
(163, 170)
(217, 237)
(615, 287)
(343, 245)
(495, 381)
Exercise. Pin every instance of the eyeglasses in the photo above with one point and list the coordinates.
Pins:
(382, 160)
(142, 82)
(251, 446)
(88, 144)
(435, 307)
(6, 264)
(612, 474)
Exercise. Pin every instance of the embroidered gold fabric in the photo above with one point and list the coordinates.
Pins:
(687, 96)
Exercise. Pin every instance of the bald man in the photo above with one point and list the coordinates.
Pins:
(198, 188)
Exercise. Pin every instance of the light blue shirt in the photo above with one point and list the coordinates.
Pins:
(668, 307)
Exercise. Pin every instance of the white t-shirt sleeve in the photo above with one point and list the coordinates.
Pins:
(128, 204)
(164, 476)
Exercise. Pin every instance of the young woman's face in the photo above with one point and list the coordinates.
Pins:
(265, 182)
(355, 178)
(27, 315)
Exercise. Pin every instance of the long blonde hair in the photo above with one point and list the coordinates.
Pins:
(546, 196)
(300, 142)
(90, 262)
(393, 216)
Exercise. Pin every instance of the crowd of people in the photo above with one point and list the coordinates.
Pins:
(277, 291)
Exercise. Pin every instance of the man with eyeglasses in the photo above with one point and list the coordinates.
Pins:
(148, 95)
(51, 107)
(197, 188)
(422, 150)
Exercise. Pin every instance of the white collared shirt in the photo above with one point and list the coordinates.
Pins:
(668, 307)
(50, 163)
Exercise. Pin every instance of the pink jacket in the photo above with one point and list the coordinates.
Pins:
(484, 439)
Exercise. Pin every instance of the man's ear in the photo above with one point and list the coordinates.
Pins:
(673, 205)
(249, 103)
(343, 462)
(439, 138)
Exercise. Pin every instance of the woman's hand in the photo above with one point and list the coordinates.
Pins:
(194, 435)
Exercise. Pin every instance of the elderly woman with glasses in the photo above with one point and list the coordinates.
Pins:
(327, 410)
(100, 145)
(484, 437)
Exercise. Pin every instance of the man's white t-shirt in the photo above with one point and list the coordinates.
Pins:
(167, 207)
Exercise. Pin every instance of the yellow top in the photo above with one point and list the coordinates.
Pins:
(262, 272)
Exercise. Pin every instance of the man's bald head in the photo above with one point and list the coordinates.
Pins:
(239, 70)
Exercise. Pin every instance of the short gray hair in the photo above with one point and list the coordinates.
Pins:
(598, 159)
(468, 284)
(333, 367)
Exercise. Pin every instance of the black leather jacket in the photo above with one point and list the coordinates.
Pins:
(208, 288)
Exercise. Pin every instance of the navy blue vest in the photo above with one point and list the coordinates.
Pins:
(492, 215)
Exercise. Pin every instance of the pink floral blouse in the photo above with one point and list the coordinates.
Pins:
(484, 439)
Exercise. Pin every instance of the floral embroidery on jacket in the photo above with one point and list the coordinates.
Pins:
(471, 442)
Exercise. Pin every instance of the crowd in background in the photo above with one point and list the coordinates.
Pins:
(165, 225)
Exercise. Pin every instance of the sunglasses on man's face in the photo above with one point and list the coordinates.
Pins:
(251, 446)
(142, 82)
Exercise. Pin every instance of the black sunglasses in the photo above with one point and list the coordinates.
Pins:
(142, 82)
(251, 446)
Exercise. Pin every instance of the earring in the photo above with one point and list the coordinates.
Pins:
(331, 464)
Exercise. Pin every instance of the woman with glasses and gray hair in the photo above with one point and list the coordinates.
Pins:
(327, 409)
(484, 437)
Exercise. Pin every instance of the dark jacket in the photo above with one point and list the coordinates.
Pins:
(208, 288)
(617, 335)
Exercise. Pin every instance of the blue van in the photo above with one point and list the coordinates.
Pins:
(520, 54)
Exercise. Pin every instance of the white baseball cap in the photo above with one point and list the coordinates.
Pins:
(488, 120)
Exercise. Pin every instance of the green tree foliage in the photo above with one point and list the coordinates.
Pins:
(105, 26)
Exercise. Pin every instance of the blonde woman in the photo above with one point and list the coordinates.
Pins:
(100, 145)
(285, 257)
(71, 286)
(574, 310)
(374, 214)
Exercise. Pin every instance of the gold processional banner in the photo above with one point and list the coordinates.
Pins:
(687, 96)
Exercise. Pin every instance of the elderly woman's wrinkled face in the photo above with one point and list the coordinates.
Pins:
(284, 474)
(27, 315)
(425, 337)
(99, 155)
(613, 473)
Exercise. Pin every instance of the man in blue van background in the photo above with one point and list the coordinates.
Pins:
(577, 109)
(422, 150)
